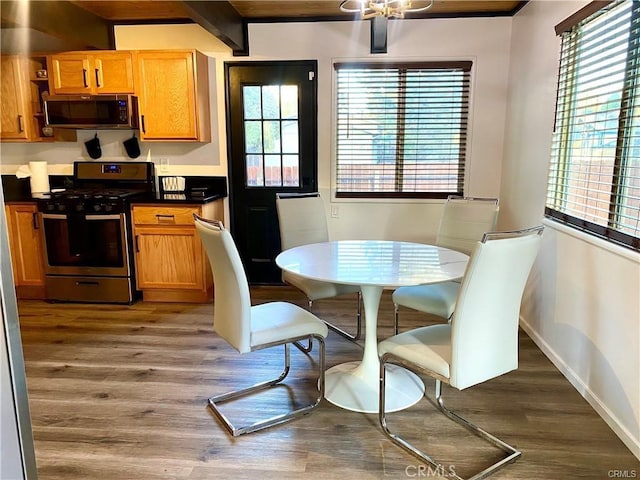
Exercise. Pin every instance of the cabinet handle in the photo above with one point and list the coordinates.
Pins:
(84, 77)
(20, 126)
(93, 284)
(34, 219)
(165, 217)
(97, 77)
(144, 130)
(137, 246)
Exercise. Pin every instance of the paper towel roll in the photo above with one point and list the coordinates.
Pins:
(39, 179)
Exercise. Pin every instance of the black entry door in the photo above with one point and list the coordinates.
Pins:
(272, 144)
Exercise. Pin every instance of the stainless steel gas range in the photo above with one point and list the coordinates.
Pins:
(87, 232)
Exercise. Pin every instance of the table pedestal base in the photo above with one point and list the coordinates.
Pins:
(346, 386)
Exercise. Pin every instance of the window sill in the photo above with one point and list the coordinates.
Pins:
(595, 241)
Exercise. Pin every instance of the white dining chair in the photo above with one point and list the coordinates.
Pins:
(464, 220)
(480, 342)
(249, 328)
(303, 221)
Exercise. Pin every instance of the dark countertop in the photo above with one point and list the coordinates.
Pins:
(198, 190)
(179, 198)
(16, 189)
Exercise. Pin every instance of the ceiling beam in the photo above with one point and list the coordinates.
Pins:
(379, 34)
(62, 20)
(223, 21)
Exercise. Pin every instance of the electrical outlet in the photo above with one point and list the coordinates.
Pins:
(335, 211)
(164, 165)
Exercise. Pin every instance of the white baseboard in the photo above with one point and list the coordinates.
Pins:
(619, 429)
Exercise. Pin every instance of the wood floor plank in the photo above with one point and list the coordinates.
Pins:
(119, 392)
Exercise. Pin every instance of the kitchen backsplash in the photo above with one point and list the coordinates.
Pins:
(183, 158)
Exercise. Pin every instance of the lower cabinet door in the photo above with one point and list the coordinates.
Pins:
(168, 258)
(25, 243)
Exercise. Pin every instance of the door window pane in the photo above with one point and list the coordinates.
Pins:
(255, 173)
(272, 137)
(272, 168)
(289, 102)
(253, 136)
(290, 136)
(271, 101)
(271, 128)
(290, 172)
(252, 103)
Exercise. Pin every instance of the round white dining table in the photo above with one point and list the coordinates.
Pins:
(373, 265)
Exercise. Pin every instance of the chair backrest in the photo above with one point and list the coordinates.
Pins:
(464, 221)
(302, 219)
(232, 302)
(484, 326)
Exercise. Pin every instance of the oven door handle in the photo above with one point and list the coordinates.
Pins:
(115, 216)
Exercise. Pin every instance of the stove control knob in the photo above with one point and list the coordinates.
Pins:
(108, 207)
(97, 207)
(60, 207)
(50, 207)
(79, 207)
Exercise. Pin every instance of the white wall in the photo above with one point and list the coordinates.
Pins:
(582, 307)
(484, 41)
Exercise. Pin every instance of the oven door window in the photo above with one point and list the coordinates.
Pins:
(85, 241)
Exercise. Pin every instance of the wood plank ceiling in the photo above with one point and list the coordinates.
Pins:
(88, 24)
(262, 10)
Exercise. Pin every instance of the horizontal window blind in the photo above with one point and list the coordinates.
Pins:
(401, 129)
(594, 177)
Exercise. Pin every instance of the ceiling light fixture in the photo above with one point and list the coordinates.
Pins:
(384, 8)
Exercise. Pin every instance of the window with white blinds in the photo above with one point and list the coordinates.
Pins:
(594, 177)
(401, 129)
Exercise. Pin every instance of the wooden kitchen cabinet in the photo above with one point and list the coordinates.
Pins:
(21, 104)
(99, 72)
(173, 95)
(25, 243)
(16, 109)
(171, 264)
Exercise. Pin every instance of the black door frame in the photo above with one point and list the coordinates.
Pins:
(312, 185)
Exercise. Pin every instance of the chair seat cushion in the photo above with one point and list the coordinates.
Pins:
(437, 299)
(315, 289)
(427, 347)
(278, 321)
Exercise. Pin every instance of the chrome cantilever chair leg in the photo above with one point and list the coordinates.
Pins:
(309, 346)
(395, 318)
(235, 431)
(346, 334)
(338, 330)
(513, 454)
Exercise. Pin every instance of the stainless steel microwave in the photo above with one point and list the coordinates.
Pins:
(91, 111)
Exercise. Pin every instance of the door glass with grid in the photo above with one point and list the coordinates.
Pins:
(271, 135)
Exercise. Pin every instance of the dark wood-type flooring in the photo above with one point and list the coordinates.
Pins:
(119, 392)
